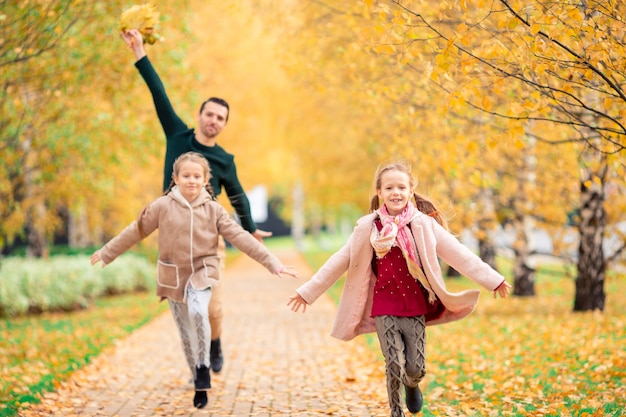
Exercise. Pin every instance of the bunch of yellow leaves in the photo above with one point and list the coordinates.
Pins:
(144, 18)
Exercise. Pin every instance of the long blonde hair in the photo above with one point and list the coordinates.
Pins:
(422, 203)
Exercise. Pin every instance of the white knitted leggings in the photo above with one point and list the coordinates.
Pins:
(193, 326)
(402, 344)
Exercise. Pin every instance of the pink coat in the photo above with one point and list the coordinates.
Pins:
(432, 241)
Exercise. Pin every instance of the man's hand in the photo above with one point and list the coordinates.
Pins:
(260, 234)
(134, 40)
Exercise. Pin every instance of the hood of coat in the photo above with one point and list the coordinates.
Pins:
(202, 198)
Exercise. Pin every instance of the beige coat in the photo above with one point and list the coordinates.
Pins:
(355, 257)
(188, 240)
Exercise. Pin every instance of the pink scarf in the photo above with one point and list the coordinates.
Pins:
(395, 230)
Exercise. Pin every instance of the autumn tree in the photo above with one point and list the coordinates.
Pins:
(557, 65)
(60, 148)
(29, 87)
(404, 116)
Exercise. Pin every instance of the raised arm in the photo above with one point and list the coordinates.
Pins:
(170, 122)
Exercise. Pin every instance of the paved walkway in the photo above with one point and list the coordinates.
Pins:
(277, 363)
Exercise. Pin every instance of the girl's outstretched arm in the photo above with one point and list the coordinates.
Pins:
(295, 301)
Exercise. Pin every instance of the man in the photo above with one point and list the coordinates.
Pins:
(212, 119)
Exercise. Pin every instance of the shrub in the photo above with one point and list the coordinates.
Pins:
(63, 283)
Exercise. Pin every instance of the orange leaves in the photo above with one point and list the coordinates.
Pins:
(549, 360)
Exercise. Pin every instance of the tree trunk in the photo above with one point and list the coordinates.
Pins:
(78, 229)
(591, 263)
(297, 222)
(37, 247)
(524, 279)
(523, 223)
(486, 223)
(36, 212)
(524, 274)
(487, 252)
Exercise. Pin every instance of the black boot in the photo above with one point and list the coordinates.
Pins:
(201, 383)
(200, 399)
(217, 359)
(203, 378)
(414, 399)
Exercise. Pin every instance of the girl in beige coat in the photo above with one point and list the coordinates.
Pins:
(189, 223)
(394, 284)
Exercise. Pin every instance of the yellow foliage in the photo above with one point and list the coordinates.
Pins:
(540, 69)
(144, 18)
(511, 24)
(457, 101)
(487, 103)
(384, 49)
(575, 16)
(535, 28)
(475, 179)
(519, 144)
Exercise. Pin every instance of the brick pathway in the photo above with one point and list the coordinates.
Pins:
(277, 363)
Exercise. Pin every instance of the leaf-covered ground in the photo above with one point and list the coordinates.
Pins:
(514, 357)
(528, 356)
(531, 357)
(38, 352)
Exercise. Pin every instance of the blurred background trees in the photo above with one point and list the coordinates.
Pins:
(511, 112)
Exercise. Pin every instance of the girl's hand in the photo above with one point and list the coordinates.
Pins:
(286, 270)
(502, 290)
(95, 258)
(295, 301)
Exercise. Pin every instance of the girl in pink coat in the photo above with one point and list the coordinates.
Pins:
(394, 284)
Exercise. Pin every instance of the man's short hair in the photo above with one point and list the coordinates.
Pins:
(219, 101)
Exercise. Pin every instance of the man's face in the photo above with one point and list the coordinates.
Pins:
(212, 119)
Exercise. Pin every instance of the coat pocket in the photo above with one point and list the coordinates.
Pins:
(167, 275)
(211, 267)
